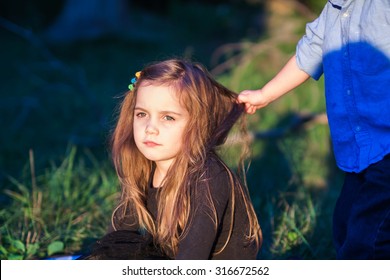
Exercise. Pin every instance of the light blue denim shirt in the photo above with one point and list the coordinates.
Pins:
(350, 44)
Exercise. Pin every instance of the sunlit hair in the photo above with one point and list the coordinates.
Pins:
(213, 111)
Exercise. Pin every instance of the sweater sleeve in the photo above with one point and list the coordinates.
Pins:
(200, 236)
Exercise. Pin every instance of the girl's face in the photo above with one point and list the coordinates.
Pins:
(159, 123)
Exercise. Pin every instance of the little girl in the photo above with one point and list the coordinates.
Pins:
(175, 188)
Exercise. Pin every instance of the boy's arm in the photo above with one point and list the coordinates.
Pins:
(288, 78)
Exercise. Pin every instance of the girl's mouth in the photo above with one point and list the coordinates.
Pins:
(151, 144)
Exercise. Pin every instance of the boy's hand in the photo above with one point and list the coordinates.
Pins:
(253, 100)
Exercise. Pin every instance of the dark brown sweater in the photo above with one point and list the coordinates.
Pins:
(202, 239)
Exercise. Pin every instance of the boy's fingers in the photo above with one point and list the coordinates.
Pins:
(247, 97)
(251, 110)
(243, 97)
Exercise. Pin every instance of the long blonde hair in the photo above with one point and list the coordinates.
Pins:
(213, 111)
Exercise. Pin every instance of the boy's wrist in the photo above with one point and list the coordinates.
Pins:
(263, 97)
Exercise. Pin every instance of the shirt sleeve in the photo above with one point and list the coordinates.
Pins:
(309, 51)
(200, 237)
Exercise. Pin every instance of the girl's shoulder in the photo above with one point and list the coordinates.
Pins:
(216, 169)
(217, 178)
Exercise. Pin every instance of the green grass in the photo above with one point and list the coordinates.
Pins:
(58, 187)
(59, 210)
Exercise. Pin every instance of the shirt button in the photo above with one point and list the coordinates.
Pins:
(358, 128)
(346, 14)
(348, 92)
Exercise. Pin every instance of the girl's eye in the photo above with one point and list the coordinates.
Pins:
(140, 115)
(168, 118)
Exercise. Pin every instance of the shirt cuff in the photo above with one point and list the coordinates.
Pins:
(308, 60)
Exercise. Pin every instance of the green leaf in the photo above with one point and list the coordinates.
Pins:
(15, 257)
(55, 247)
(32, 249)
(3, 251)
(292, 236)
(18, 245)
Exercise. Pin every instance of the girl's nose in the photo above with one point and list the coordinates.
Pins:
(151, 129)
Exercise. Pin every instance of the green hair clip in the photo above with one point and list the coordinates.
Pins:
(134, 80)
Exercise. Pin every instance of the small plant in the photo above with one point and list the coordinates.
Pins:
(57, 212)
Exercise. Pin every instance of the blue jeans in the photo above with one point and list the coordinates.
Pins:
(361, 220)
